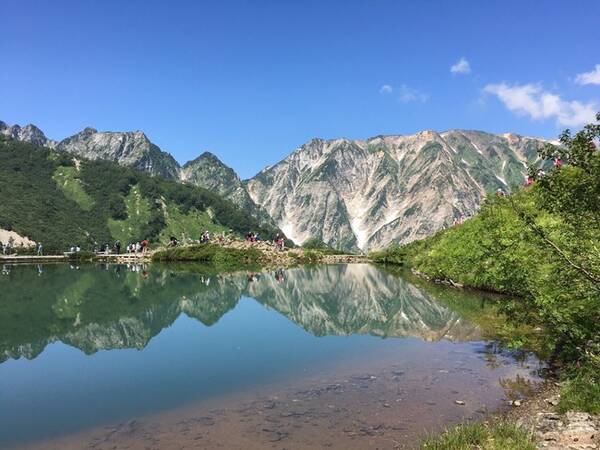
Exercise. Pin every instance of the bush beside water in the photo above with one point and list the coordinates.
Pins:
(226, 258)
(540, 244)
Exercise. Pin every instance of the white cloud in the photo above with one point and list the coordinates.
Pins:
(461, 66)
(533, 101)
(385, 89)
(591, 77)
(408, 94)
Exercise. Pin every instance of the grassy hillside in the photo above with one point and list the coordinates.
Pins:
(50, 197)
(541, 244)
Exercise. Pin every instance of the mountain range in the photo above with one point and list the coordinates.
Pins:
(357, 195)
(93, 309)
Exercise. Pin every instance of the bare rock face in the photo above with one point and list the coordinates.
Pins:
(131, 149)
(388, 189)
(29, 133)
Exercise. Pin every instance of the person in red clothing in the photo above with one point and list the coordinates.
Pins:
(144, 245)
(557, 162)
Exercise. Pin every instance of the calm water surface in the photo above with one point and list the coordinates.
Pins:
(170, 357)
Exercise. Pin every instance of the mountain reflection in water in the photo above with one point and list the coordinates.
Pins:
(116, 306)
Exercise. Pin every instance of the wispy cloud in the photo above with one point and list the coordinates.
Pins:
(533, 101)
(591, 77)
(461, 66)
(408, 94)
(385, 89)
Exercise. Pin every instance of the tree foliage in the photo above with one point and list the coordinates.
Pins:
(541, 244)
(33, 204)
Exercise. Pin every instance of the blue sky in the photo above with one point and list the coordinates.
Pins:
(250, 81)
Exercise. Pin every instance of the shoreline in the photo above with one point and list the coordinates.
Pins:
(355, 403)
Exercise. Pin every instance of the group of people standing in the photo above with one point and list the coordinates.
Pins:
(137, 247)
(134, 247)
(252, 237)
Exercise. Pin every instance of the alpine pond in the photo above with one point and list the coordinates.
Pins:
(114, 356)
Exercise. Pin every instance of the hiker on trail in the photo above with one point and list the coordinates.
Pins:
(500, 193)
(144, 245)
(557, 162)
(279, 243)
(173, 242)
(40, 249)
(118, 247)
(138, 247)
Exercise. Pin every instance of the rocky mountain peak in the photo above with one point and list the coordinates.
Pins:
(367, 194)
(351, 194)
(29, 133)
(88, 131)
(205, 158)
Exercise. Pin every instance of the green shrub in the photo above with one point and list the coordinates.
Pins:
(497, 436)
(46, 198)
(540, 244)
(226, 258)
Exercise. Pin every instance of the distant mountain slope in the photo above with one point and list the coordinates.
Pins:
(53, 198)
(134, 149)
(29, 133)
(209, 172)
(130, 149)
(369, 194)
(349, 194)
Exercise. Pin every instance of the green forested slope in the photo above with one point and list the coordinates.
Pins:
(542, 244)
(50, 197)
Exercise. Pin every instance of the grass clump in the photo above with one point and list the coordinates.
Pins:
(189, 226)
(581, 394)
(225, 258)
(582, 389)
(137, 215)
(321, 247)
(501, 435)
(66, 180)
